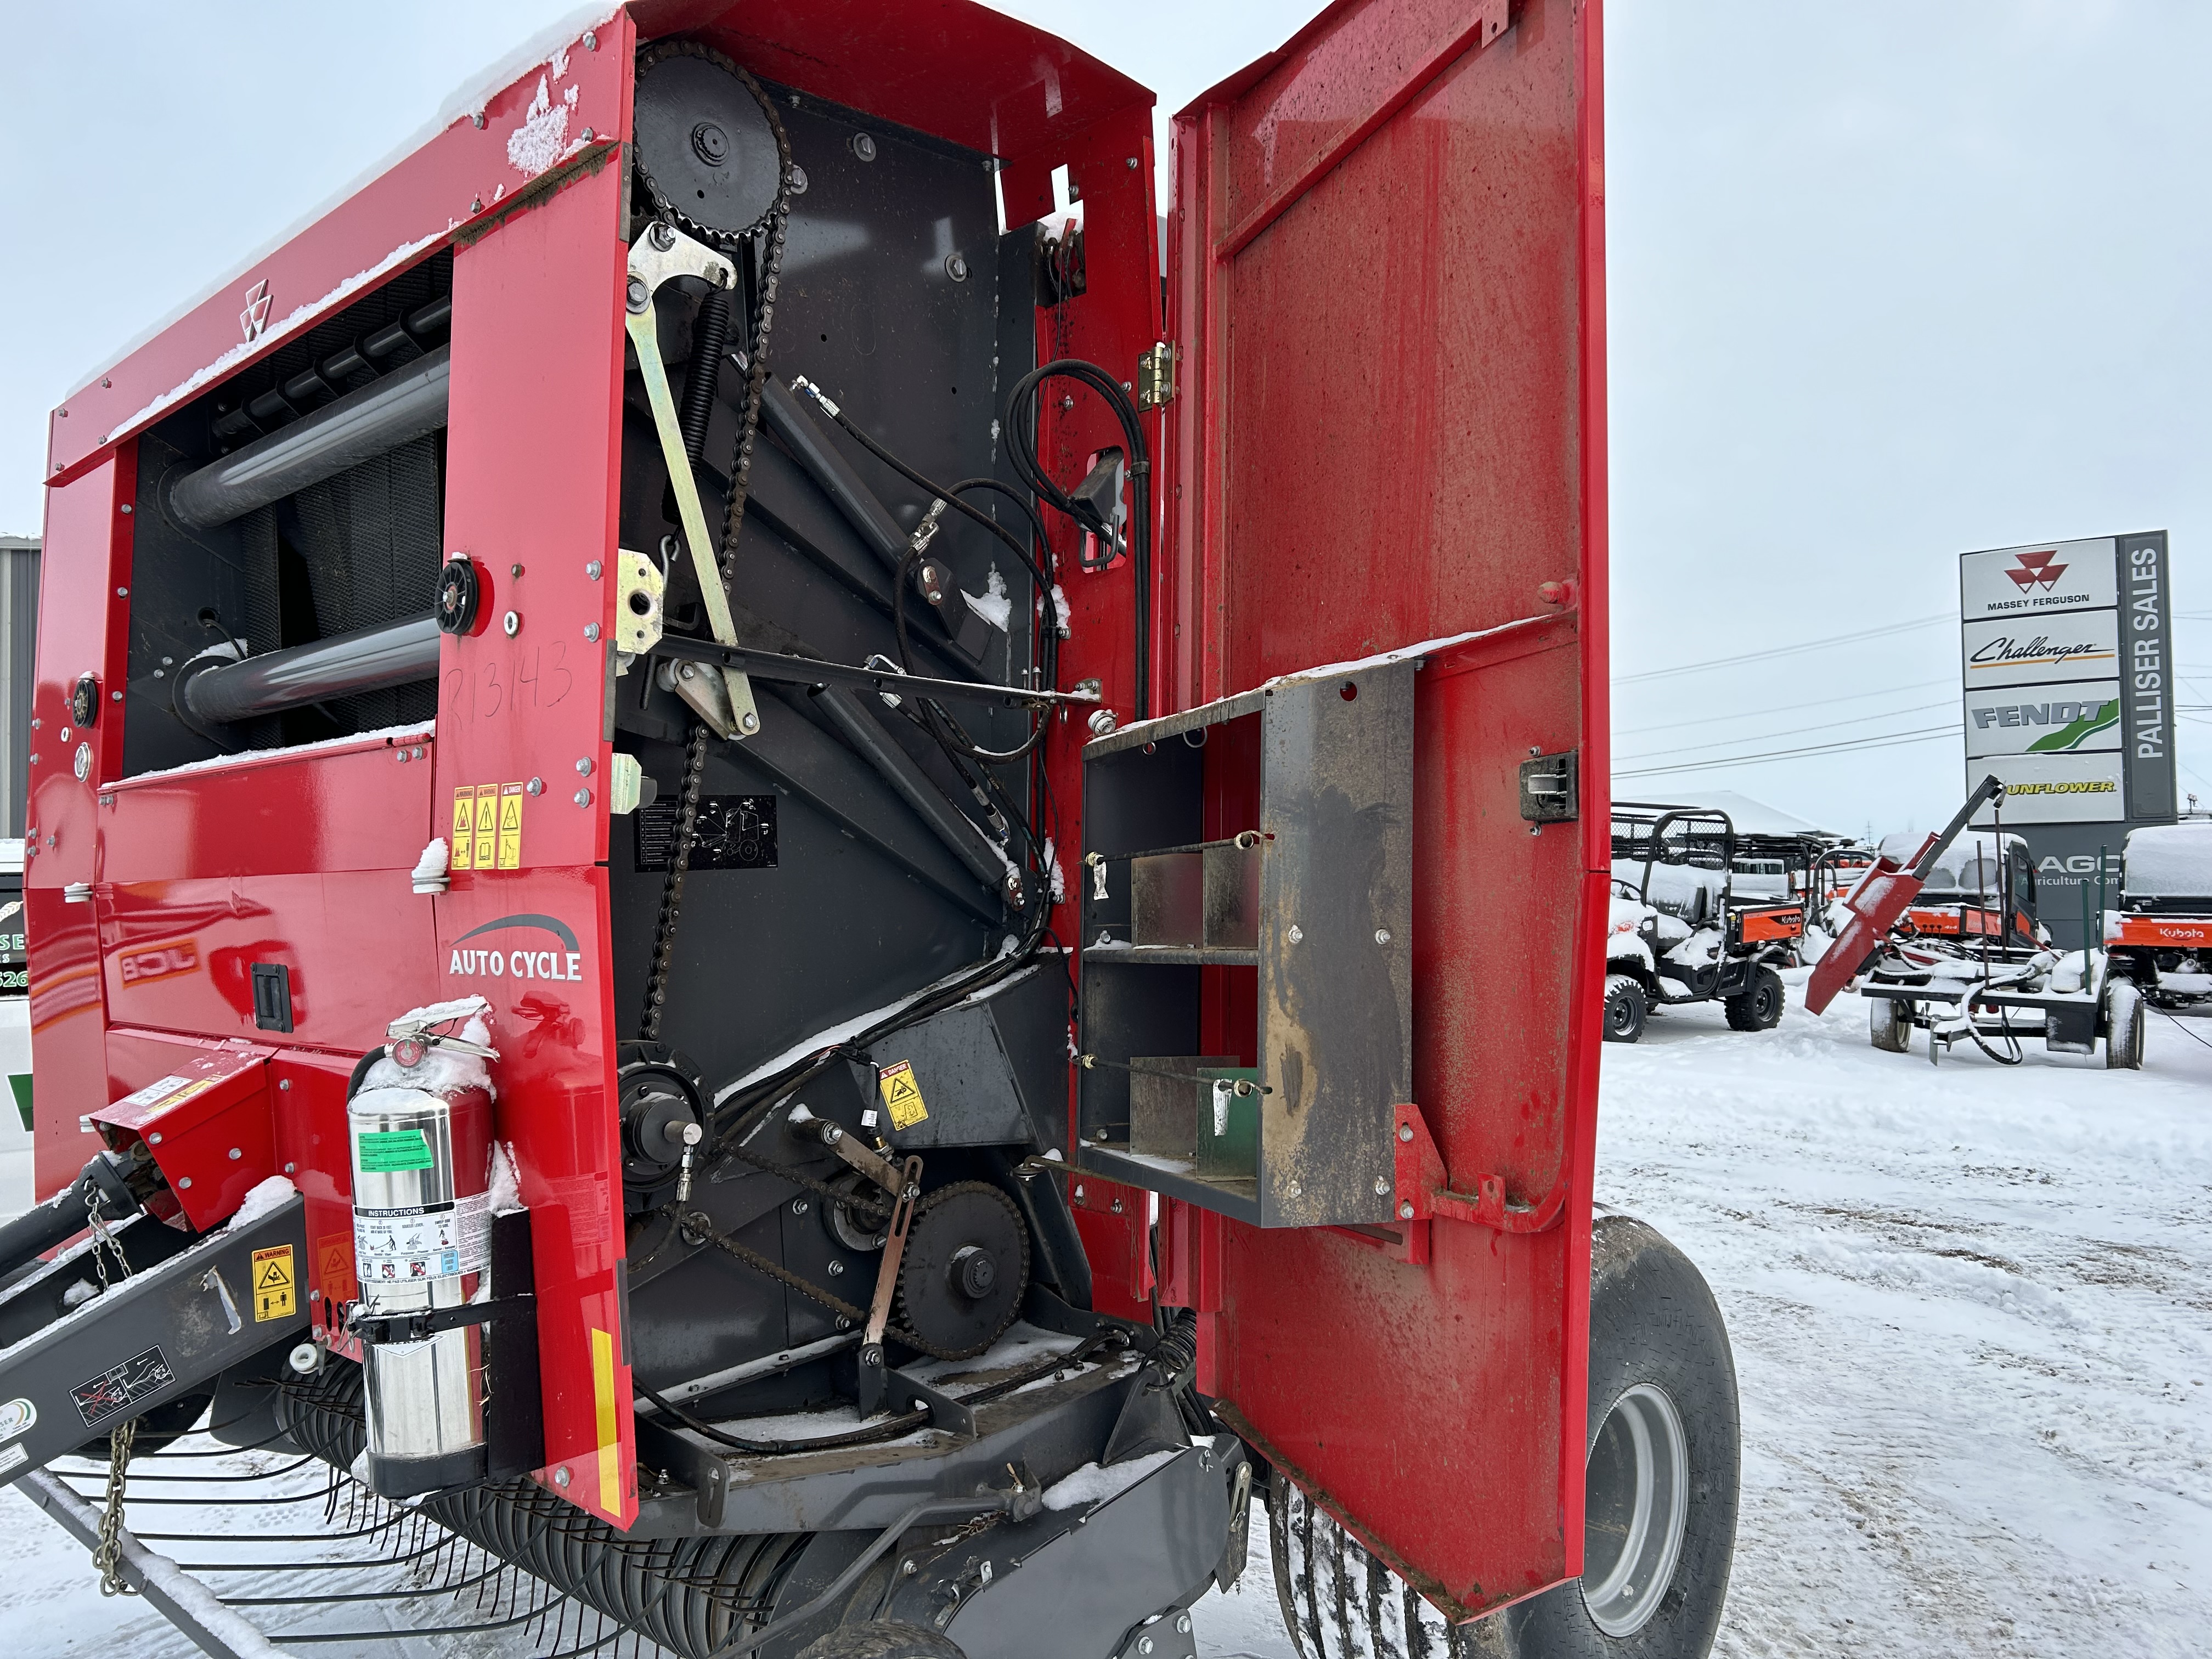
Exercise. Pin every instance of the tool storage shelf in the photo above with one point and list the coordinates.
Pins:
(1246, 1018)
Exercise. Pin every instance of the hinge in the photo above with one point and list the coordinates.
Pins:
(1549, 788)
(1156, 373)
(1423, 1190)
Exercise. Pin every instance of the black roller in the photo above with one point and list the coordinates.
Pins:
(404, 405)
(214, 691)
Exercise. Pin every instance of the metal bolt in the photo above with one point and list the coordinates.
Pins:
(512, 623)
(593, 569)
(115, 697)
(663, 235)
(1380, 1186)
(909, 1567)
(583, 798)
(1295, 933)
(1117, 1205)
(843, 1323)
(1382, 935)
(535, 787)
(1296, 1190)
(476, 205)
(126, 507)
(1405, 1132)
(122, 592)
(591, 631)
(798, 180)
(154, 1140)
(591, 40)
(290, 1169)
(589, 135)
(749, 722)
(955, 267)
(402, 757)
(1132, 167)
(1144, 1644)
(1405, 1210)
(514, 570)
(583, 766)
(800, 1206)
(561, 1477)
(184, 1180)
(636, 296)
(864, 147)
(1182, 1619)
(284, 1083)
(836, 1269)
(1535, 829)
(235, 1154)
(476, 120)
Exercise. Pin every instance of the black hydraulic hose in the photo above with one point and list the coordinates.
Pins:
(1023, 414)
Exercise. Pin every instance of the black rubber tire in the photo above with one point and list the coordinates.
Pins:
(1889, 1024)
(1653, 1321)
(1625, 1005)
(883, 1638)
(2124, 1027)
(1760, 1007)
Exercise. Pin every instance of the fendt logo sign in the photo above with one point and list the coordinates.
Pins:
(2059, 725)
(2035, 570)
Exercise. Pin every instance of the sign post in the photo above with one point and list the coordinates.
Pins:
(2066, 664)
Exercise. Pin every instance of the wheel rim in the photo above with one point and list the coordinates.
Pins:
(1636, 1504)
(1619, 1014)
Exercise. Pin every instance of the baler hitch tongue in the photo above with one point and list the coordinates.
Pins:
(1881, 898)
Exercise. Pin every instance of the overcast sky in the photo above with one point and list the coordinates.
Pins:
(1885, 286)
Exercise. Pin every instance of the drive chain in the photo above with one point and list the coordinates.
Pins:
(733, 513)
(871, 1209)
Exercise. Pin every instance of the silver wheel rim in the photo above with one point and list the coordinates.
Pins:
(1636, 1499)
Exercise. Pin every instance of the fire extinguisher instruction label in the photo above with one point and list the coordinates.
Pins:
(393, 1247)
(388, 1151)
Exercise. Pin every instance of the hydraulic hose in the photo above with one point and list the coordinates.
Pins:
(62, 1216)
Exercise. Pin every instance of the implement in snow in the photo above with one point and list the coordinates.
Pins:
(805, 921)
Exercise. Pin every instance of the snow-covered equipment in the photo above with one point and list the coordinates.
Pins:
(1677, 933)
(2159, 932)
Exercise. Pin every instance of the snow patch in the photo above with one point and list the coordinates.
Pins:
(1060, 609)
(420, 731)
(504, 1194)
(994, 607)
(429, 874)
(542, 138)
(264, 1198)
(1092, 1484)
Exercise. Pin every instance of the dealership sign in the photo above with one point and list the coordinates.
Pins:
(2066, 659)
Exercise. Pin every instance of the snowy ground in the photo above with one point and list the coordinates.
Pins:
(1972, 1318)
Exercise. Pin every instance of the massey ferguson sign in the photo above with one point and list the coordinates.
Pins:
(2064, 656)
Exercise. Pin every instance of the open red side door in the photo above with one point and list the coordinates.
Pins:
(1388, 282)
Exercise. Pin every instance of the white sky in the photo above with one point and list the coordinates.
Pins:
(1885, 286)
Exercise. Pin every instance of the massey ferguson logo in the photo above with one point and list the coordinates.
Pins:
(255, 317)
(2035, 570)
(566, 963)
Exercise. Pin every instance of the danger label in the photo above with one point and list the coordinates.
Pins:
(275, 1285)
(902, 1094)
(487, 848)
(488, 826)
(463, 855)
(510, 826)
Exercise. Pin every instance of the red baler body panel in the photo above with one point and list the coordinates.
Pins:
(1393, 226)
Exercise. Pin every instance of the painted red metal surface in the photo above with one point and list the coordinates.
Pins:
(1388, 280)
(208, 1123)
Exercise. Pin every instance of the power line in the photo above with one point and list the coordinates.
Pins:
(1787, 707)
(1774, 651)
(1889, 740)
(1791, 731)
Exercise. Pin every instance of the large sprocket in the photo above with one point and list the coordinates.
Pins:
(705, 151)
(965, 1270)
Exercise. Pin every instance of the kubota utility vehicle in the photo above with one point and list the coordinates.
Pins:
(2159, 936)
(745, 886)
(1677, 933)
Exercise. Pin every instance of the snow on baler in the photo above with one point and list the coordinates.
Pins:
(773, 888)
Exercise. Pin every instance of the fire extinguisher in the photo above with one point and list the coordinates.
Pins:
(418, 1115)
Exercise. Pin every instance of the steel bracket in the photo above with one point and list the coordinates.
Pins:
(1424, 1192)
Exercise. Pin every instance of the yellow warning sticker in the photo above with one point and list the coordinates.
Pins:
(902, 1094)
(487, 826)
(510, 826)
(463, 853)
(275, 1287)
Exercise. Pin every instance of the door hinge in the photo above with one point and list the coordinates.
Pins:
(1550, 791)
(1156, 376)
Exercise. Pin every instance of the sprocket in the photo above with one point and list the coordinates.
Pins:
(705, 151)
(966, 1268)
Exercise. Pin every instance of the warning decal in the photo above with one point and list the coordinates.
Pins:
(462, 855)
(487, 848)
(275, 1285)
(510, 826)
(902, 1094)
(334, 1267)
(114, 1391)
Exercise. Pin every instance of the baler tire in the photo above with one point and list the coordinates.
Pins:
(1760, 1008)
(2124, 1027)
(1654, 1331)
(1889, 1024)
(882, 1638)
(1625, 1005)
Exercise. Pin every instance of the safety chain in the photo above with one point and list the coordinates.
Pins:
(733, 511)
(107, 1554)
(103, 1237)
